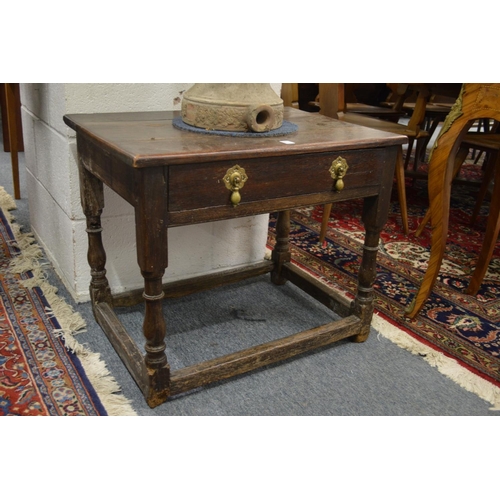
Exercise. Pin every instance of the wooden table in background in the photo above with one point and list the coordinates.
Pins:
(175, 178)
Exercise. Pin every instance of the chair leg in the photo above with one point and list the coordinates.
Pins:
(487, 177)
(10, 102)
(459, 160)
(408, 152)
(425, 141)
(400, 177)
(324, 221)
(418, 154)
(490, 237)
(485, 123)
(441, 170)
(425, 220)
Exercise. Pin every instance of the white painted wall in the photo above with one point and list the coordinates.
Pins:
(56, 216)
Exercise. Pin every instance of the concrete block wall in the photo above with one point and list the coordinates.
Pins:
(53, 193)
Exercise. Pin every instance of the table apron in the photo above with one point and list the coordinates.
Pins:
(293, 178)
(197, 216)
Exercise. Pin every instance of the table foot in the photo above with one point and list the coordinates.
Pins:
(159, 385)
(361, 337)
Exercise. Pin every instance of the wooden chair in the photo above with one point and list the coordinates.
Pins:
(290, 94)
(442, 96)
(475, 141)
(476, 101)
(305, 97)
(414, 130)
(489, 144)
(10, 104)
(331, 98)
(372, 105)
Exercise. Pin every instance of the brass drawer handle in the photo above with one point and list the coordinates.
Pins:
(338, 170)
(234, 180)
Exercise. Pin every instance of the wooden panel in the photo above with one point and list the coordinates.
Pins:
(121, 178)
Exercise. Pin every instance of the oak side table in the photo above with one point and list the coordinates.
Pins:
(176, 177)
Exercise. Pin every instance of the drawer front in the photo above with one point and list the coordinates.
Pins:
(202, 186)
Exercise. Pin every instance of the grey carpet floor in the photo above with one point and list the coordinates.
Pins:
(346, 379)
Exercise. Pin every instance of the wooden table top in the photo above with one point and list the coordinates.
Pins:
(148, 139)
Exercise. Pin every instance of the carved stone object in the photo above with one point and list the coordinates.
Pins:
(238, 107)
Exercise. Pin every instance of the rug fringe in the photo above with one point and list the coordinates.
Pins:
(445, 365)
(72, 323)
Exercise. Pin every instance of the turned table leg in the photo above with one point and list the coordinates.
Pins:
(92, 198)
(281, 253)
(154, 329)
(152, 256)
(367, 274)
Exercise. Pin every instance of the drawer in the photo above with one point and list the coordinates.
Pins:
(202, 186)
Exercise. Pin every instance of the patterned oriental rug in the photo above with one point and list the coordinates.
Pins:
(457, 333)
(43, 370)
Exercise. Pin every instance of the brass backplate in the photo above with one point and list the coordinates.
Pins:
(234, 180)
